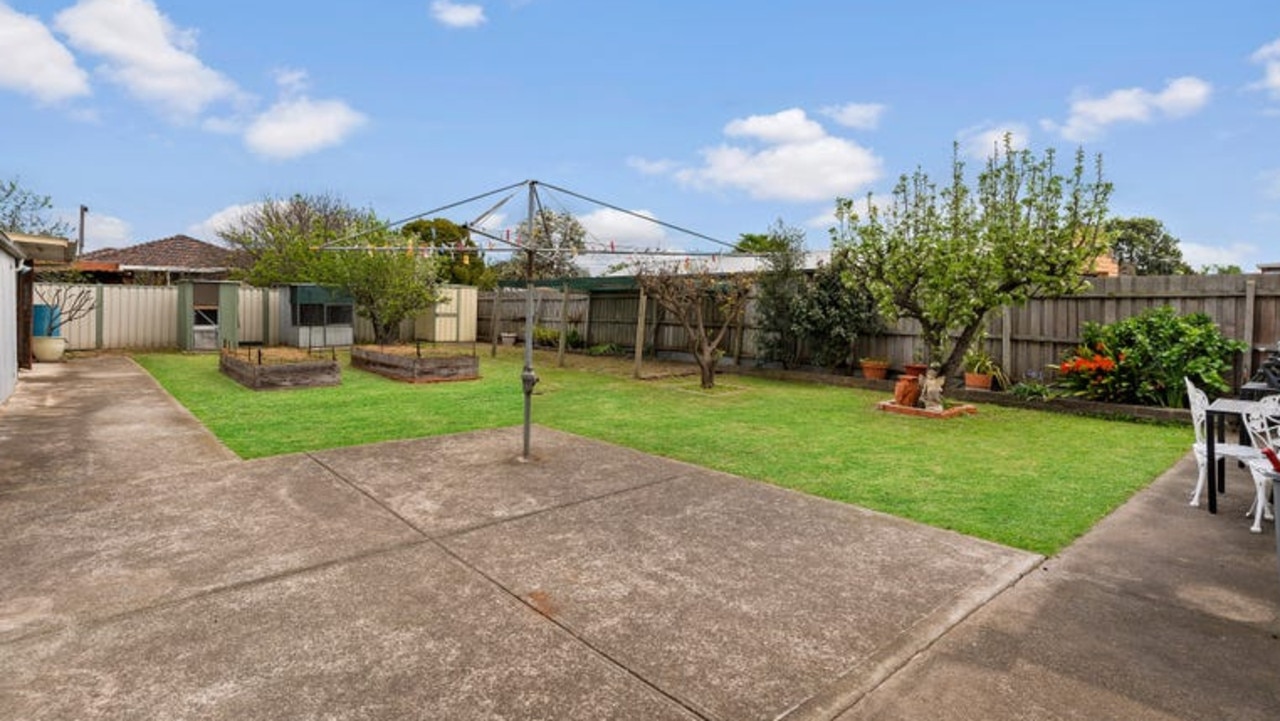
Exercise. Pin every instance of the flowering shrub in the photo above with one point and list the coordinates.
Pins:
(1143, 359)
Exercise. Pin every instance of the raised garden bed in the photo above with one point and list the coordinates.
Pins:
(414, 364)
(271, 368)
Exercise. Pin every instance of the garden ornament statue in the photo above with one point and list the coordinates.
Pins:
(931, 390)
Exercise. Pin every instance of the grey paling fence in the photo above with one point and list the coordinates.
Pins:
(512, 309)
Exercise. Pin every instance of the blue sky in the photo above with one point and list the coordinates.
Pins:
(164, 117)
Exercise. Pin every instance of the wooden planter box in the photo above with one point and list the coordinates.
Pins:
(265, 376)
(413, 369)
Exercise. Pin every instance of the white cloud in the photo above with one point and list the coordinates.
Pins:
(980, 141)
(652, 167)
(33, 62)
(1090, 116)
(860, 116)
(1197, 255)
(207, 229)
(458, 15)
(1268, 56)
(105, 231)
(297, 125)
(625, 231)
(788, 126)
(795, 160)
(146, 54)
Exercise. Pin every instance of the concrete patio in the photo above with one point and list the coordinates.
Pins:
(149, 573)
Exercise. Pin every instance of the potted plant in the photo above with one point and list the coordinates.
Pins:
(67, 304)
(917, 366)
(980, 369)
(874, 368)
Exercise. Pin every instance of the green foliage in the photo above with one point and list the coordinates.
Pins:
(1143, 359)
(24, 211)
(779, 291)
(550, 337)
(1216, 269)
(1031, 390)
(1143, 246)
(777, 240)
(946, 258)
(282, 237)
(458, 259)
(829, 317)
(604, 349)
(388, 282)
(558, 237)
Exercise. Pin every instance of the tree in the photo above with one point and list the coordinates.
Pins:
(762, 243)
(1143, 246)
(458, 259)
(706, 306)
(557, 238)
(23, 211)
(779, 291)
(948, 258)
(281, 236)
(387, 279)
(1218, 269)
(829, 317)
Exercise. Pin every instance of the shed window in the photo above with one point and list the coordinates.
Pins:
(206, 316)
(310, 314)
(338, 314)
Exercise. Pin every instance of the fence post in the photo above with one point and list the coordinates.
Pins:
(564, 326)
(99, 314)
(640, 334)
(1006, 339)
(494, 308)
(1250, 298)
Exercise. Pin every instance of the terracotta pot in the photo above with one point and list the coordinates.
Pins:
(915, 369)
(907, 391)
(977, 381)
(875, 370)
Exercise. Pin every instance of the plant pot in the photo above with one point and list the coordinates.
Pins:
(914, 369)
(48, 349)
(875, 370)
(977, 381)
(507, 338)
(907, 391)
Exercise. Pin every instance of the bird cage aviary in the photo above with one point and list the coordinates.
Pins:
(314, 316)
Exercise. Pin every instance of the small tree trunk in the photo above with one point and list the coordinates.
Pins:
(707, 365)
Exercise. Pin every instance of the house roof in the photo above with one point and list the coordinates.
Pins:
(42, 248)
(178, 252)
(8, 247)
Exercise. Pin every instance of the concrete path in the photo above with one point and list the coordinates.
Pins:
(146, 573)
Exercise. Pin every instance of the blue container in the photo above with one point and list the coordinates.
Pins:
(43, 317)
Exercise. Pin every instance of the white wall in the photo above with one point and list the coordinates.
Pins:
(8, 325)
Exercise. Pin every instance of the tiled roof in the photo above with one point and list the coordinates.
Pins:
(173, 253)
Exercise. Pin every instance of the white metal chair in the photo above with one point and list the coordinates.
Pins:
(1199, 403)
(1264, 430)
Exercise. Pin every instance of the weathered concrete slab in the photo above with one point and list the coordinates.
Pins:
(741, 599)
(1161, 612)
(86, 421)
(450, 483)
(75, 552)
(407, 634)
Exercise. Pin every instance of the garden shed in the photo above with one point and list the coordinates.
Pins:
(208, 314)
(452, 320)
(315, 316)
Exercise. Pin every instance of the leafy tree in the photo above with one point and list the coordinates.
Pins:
(281, 237)
(948, 258)
(24, 211)
(829, 316)
(458, 259)
(557, 237)
(779, 291)
(1145, 247)
(388, 281)
(1216, 269)
(706, 305)
(762, 243)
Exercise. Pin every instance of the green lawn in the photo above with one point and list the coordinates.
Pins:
(1027, 479)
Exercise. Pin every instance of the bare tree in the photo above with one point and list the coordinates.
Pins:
(705, 304)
